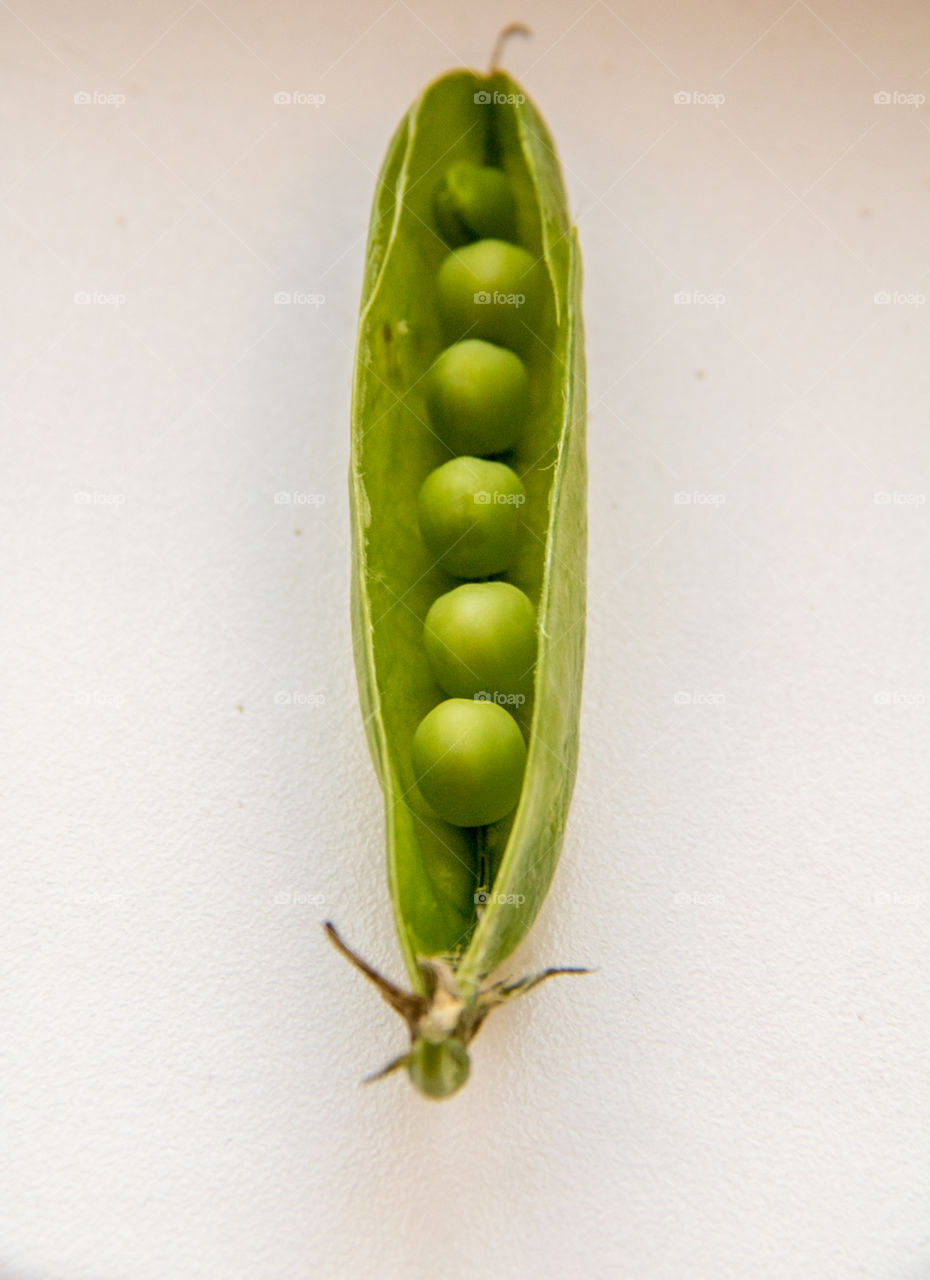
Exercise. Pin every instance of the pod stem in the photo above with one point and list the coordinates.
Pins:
(448, 1016)
(512, 29)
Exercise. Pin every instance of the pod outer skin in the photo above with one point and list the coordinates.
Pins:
(430, 868)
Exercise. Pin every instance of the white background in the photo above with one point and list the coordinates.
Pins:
(741, 1089)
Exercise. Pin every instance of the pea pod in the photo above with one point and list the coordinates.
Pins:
(465, 897)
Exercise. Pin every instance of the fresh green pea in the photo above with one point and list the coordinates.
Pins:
(473, 201)
(477, 397)
(480, 640)
(468, 759)
(492, 290)
(469, 514)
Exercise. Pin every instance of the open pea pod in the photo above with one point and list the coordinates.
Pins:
(464, 898)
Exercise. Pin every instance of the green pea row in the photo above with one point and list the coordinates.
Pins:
(468, 753)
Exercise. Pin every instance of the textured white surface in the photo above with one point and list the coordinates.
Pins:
(741, 1090)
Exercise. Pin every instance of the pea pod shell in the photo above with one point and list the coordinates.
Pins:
(430, 865)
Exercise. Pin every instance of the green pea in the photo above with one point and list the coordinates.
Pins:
(469, 514)
(480, 639)
(468, 758)
(493, 290)
(473, 201)
(478, 397)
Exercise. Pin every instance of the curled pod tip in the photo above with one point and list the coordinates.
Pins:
(512, 29)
